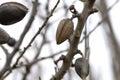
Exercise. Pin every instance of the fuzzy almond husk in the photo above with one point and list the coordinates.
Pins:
(4, 36)
(82, 67)
(64, 30)
(12, 12)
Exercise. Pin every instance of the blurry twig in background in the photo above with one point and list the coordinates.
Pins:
(100, 22)
(114, 47)
(87, 48)
(38, 60)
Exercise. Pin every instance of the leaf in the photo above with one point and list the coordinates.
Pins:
(82, 0)
(78, 33)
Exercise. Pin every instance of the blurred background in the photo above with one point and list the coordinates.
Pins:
(37, 63)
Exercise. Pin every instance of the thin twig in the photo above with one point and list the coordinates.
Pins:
(5, 50)
(38, 32)
(35, 4)
(40, 59)
(86, 42)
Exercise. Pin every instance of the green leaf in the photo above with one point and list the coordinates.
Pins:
(78, 33)
(82, 0)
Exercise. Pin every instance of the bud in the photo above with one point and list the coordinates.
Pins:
(64, 30)
(12, 12)
(4, 36)
(82, 67)
(11, 42)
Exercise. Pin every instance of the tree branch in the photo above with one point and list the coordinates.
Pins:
(75, 40)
